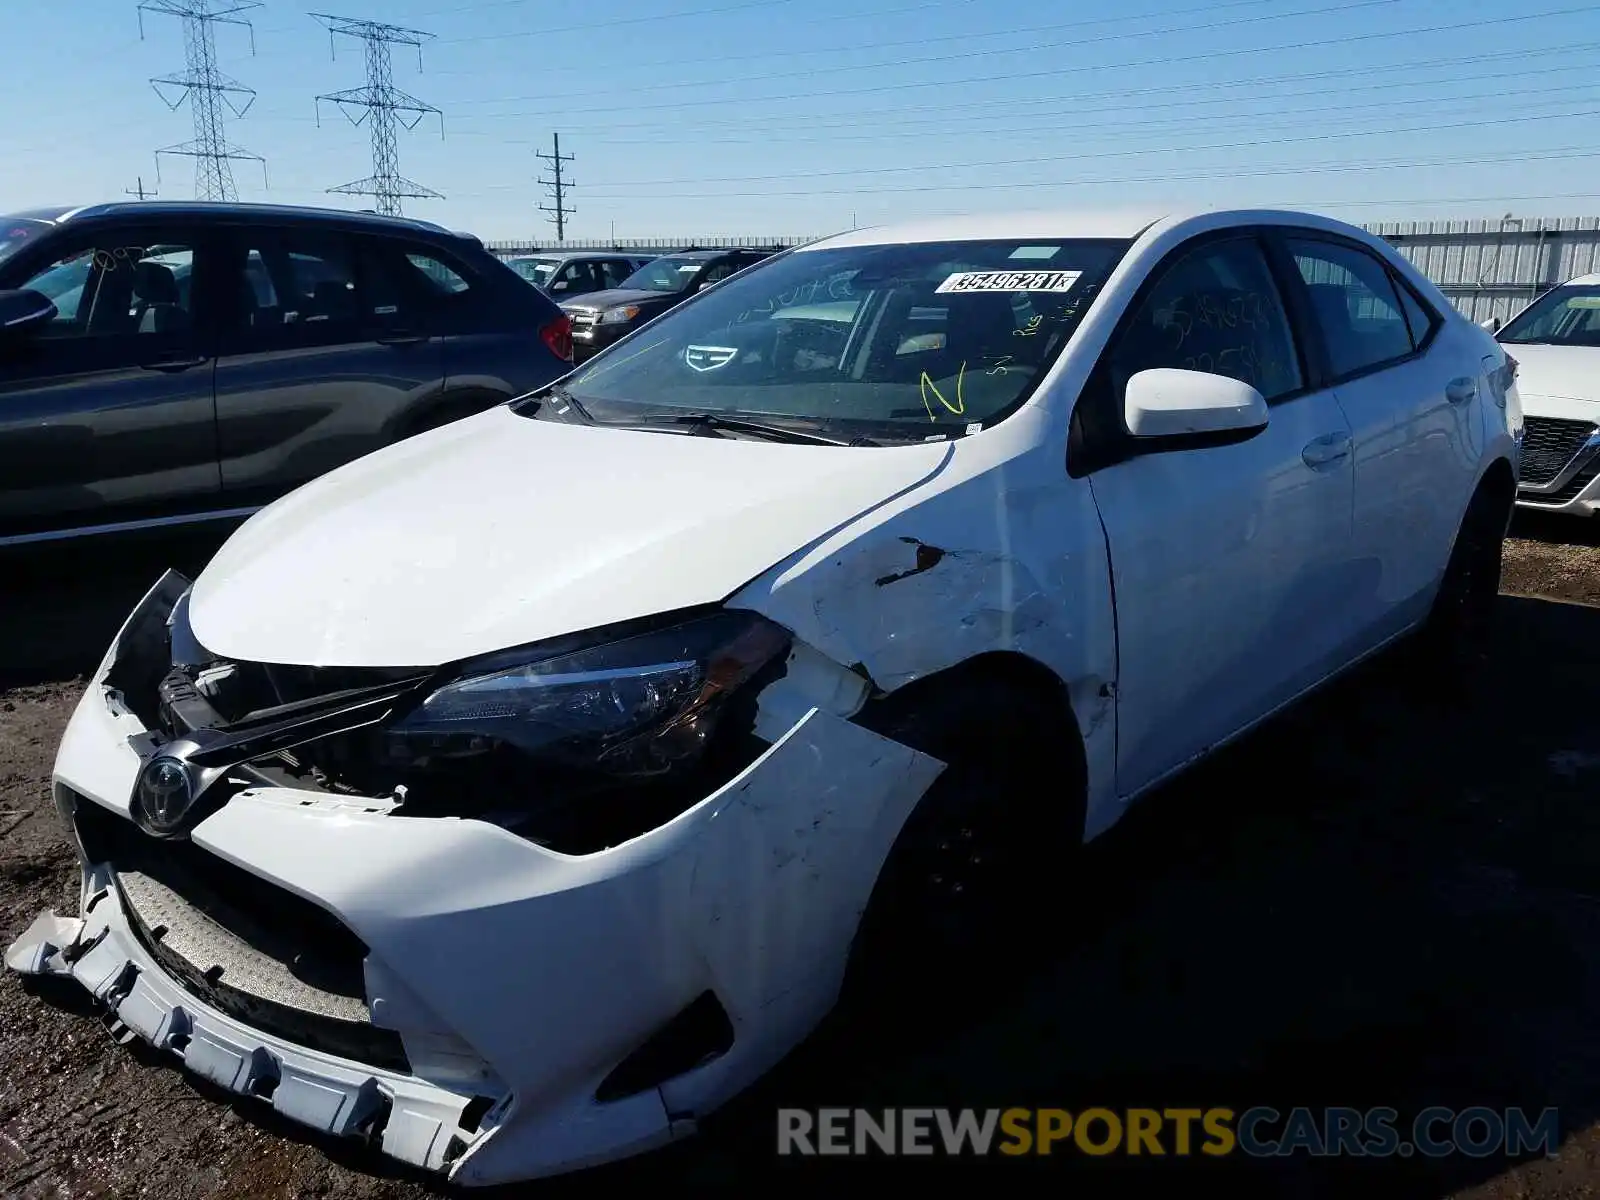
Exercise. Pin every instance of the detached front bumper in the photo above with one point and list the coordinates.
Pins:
(553, 1011)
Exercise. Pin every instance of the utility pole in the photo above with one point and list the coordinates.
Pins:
(384, 106)
(139, 191)
(560, 211)
(208, 92)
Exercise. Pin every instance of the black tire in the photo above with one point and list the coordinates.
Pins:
(1455, 642)
(961, 901)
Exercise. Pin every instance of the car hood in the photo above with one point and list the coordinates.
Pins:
(596, 301)
(499, 530)
(1563, 371)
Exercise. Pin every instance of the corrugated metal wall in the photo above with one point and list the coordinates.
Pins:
(1493, 268)
(1488, 268)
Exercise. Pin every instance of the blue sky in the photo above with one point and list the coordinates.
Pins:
(801, 117)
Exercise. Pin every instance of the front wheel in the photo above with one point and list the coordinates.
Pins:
(983, 866)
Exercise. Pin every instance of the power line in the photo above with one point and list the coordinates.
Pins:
(139, 191)
(384, 106)
(208, 92)
(1045, 160)
(560, 211)
(722, 79)
(1089, 131)
(1013, 76)
(858, 45)
(1168, 177)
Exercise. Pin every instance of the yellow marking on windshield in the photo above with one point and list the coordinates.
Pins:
(928, 385)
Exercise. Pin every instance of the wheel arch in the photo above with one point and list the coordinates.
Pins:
(1041, 706)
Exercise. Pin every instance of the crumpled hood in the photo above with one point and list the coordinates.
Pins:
(499, 530)
(1565, 371)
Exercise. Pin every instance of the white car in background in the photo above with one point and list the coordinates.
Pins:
(1556, 344)
(516, 795)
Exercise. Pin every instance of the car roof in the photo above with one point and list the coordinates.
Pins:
(1582, 281)
(1124, 224)
(223, 210)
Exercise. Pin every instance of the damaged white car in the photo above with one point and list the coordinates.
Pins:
(515, 796)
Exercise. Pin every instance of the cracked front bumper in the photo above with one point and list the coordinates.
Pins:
(511, 974)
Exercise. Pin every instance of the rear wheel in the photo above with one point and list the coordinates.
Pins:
(1455, 642)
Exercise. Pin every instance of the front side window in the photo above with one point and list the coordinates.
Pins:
(1563, 316)
(118, 285)
(1354, 303)
(665, 275)
(1215, 310)
(886, 342)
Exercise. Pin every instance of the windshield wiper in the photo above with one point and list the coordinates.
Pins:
(712, 422)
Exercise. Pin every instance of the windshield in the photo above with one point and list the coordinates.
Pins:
(665, 275)
(536, 270)
(16, 232)
(902, 342)
(1564, 316)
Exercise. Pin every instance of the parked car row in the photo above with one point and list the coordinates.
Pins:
(515, 795)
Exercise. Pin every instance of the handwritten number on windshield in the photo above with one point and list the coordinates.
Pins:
(959, 408)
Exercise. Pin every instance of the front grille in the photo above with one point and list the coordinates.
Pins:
(1569, 490)
(585, 319)
(1548, 445)
(247, 947)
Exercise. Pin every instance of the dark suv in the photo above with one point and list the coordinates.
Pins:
(171, 362)
(603, 317)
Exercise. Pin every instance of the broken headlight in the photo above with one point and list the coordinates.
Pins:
(628, 708)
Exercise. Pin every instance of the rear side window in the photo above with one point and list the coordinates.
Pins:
(437, 272)
(298, 279)
(1355, 304)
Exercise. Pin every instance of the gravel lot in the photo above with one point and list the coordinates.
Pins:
(1378, 900)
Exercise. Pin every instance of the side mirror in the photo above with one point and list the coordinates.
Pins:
(24, 312)
(1192, 407)
(1492, 325)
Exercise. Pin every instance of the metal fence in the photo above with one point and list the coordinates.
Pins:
(1487, 268)
(1493, 268)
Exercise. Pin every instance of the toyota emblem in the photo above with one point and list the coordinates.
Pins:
(166, 790)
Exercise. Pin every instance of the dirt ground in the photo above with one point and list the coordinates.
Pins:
(1377, 900)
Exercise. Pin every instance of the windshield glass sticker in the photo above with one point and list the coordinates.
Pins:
(1010, 281)
(1039, 252)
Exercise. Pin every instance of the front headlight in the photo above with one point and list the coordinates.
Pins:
(627, 708)
(618, 316)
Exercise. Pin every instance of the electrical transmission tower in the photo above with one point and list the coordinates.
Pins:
(384, 106)
(559, 211)
(208, 92)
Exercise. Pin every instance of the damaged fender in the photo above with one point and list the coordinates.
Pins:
(929, 581)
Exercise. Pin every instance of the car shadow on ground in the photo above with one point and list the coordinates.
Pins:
(1384, 898)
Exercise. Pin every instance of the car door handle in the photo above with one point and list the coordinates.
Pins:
(1329, 448)
(173, 365)
(1459, 391)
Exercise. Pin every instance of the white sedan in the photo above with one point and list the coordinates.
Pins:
(1557, 349)
(516, 795)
